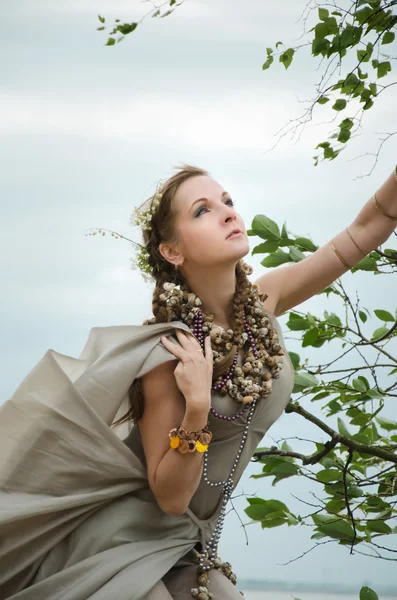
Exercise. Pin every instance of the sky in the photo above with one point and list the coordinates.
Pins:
(86, 131)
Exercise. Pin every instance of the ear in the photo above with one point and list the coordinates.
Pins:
(171, 253)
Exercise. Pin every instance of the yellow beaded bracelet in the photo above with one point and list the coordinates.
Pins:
(190, 441)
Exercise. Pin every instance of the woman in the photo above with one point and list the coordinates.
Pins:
(88, 511)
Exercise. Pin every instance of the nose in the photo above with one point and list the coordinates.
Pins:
(231, 214)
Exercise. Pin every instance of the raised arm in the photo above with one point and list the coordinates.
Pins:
(291, 285)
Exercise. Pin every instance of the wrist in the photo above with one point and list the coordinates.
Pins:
(194, 420)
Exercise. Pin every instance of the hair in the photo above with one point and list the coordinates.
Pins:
(163, 230)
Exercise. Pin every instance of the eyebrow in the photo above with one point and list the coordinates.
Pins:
(200, 199)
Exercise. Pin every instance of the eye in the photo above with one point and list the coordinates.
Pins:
(228, 200)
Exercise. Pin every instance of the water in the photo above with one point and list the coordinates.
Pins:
(277, 595)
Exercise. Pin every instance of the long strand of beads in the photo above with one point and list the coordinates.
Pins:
(231, 417)
(207, 559)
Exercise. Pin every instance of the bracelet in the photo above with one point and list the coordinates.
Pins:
(190, 441)
(340, 256)
(355, 243)
(380, 209)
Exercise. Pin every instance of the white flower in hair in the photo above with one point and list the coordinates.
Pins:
(142, 216)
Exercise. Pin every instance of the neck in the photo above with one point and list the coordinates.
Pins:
(215, 288)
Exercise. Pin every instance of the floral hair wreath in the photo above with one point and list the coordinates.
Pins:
(141, 216)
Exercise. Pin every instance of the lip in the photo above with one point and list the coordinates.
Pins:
(234, 233)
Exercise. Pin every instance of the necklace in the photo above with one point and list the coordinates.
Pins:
(209, 559)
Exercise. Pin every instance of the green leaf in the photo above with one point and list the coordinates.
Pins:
(323, 100)
(339, 104)
(284, 232)
(332, 319)
(265, 228)
(269, 51)
(102, 19)
(111, 42)
(379, 526)
(277, 258)
(127, 28)
(378, 333)
(268, 246)
(388, 38)
(359, 385)
(386, 423)
(373, 88)
(384, 315)
(310, 337)
(306, 244)
(335, 505)
(384, 68)
(323, 14)
(295, 359)
(363, 56)
(305, 380)
(328, 475)
(266, 509)
(362, 315)
(342, 428)
(297, 323)
(364, 380)
(320, 396)
(100, 28)
(367, 594)
(267, 524)
(333, 527)
(350, 36)
(344, 136)
(267, 63)
(286, 57)
(296, 254)
(366, 264)
(319, 46)
(287, 468)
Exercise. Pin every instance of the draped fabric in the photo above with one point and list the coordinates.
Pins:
(77, 517)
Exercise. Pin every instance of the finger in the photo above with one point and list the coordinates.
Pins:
(174, 348)
(208, 347)
(187, 339)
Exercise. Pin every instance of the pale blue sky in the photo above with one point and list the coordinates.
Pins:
(86, 132)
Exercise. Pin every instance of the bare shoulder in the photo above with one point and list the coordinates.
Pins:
(160, 383)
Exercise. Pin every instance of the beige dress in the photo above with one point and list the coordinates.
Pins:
(78, 520)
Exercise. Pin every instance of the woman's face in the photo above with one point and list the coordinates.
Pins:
(205, 216)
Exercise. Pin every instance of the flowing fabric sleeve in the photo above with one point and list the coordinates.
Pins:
(60, 460)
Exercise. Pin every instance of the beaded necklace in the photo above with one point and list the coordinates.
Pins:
(247, 384)
(209, 559)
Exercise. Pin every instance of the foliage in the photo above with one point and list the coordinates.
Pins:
(122, 29)
(354, 41)
(356, 469)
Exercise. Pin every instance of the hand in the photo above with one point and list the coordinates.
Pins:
(193, 373)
